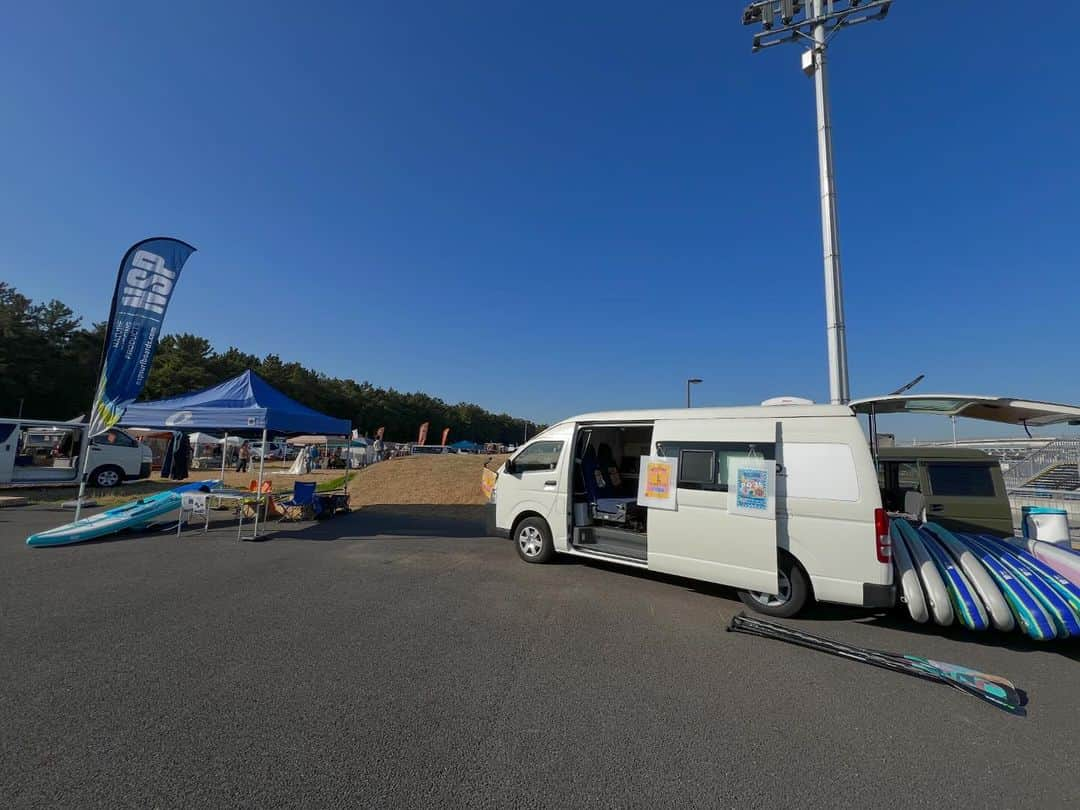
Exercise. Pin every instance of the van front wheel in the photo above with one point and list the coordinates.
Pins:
(532, 538)
(794, 592)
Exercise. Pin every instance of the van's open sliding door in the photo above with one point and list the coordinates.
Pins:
(701, 538)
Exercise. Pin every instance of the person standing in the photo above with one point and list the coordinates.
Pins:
(243, 455)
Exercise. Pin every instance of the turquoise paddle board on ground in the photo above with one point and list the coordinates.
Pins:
(1030, 614)
(132, 515)
(1062, 587)
(967, 606)
(997, 608)
(937, 595)
(907, 576)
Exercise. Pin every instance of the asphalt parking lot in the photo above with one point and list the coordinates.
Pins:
(398, 658)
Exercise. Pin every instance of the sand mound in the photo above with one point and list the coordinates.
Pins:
(450, 479)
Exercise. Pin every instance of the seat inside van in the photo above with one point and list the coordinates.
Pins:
(606, 513)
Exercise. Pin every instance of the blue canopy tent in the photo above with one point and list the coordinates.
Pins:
(245, 404)
(466, 446)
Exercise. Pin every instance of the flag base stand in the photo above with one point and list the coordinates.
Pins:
(79, 504)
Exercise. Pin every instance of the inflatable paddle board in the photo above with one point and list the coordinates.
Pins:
(910, 588)
(988, 593)
(129, 516)
(1068, 623)
(1030, 615)
(969, 609)
(1065, 589)
(937, 595)
(1062, 560)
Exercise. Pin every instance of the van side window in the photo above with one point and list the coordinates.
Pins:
(966, 480)
(538, 456)
(704, 465)
(114, 438)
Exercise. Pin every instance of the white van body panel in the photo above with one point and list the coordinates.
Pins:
(701, 539)
(133, 461)
(541, 492)
(826, 496)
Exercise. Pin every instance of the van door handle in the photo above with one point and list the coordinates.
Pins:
(550, 483)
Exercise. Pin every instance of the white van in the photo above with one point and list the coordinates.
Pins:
(574, 489)
(34, 451)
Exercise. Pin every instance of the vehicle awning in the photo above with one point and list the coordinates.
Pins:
(973, 406)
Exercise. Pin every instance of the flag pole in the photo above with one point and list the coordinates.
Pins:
(90, 421)
(147, 284)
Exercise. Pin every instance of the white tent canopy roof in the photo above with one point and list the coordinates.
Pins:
(973, 406)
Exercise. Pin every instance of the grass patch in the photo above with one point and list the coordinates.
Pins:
(330, 485)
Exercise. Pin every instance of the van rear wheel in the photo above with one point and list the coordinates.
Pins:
(107, 477)
(792, 596)
(532, 538)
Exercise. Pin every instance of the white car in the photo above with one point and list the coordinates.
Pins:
(274, 452)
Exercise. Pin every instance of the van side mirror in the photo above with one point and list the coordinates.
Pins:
(508, 468)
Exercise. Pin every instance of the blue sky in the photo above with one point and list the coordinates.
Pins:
(559, 207)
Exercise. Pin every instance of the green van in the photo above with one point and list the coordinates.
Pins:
(963, 489)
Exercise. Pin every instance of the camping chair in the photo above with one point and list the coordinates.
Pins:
(267, 491)
(303, 499)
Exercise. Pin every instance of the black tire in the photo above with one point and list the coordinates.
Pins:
(794, 592)
(532, 539)
(107, 477)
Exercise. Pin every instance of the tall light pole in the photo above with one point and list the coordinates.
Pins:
(691, 381)
(814, 23)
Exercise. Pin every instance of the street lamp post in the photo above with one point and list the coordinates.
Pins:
(691, 381)
(820, 21)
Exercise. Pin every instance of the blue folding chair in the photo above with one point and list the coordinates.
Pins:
(303, 499)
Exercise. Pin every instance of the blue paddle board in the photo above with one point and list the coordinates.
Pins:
(1066, 589)
(969, 609)
(1067, 622)
(1033, 619)
(132, 515)
(997, 608)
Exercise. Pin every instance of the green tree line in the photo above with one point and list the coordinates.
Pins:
(49, 364)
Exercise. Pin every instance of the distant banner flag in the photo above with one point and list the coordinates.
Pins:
(144, 286)
(445, 433)
(423, 434)
(379, 433)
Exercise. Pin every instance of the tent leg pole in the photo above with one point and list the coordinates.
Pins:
(224, 453)
(259, 493)
(348, 462)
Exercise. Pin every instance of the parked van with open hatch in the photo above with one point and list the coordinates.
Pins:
(573, 489)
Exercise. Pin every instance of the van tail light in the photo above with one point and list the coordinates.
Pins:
(883, 543)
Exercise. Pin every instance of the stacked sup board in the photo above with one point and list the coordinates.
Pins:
(984, 582)
(135, 515)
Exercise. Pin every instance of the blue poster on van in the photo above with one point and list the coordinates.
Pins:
(144, 286)
(751, 482)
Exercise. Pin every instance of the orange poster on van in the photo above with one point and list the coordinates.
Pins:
(657, 481)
